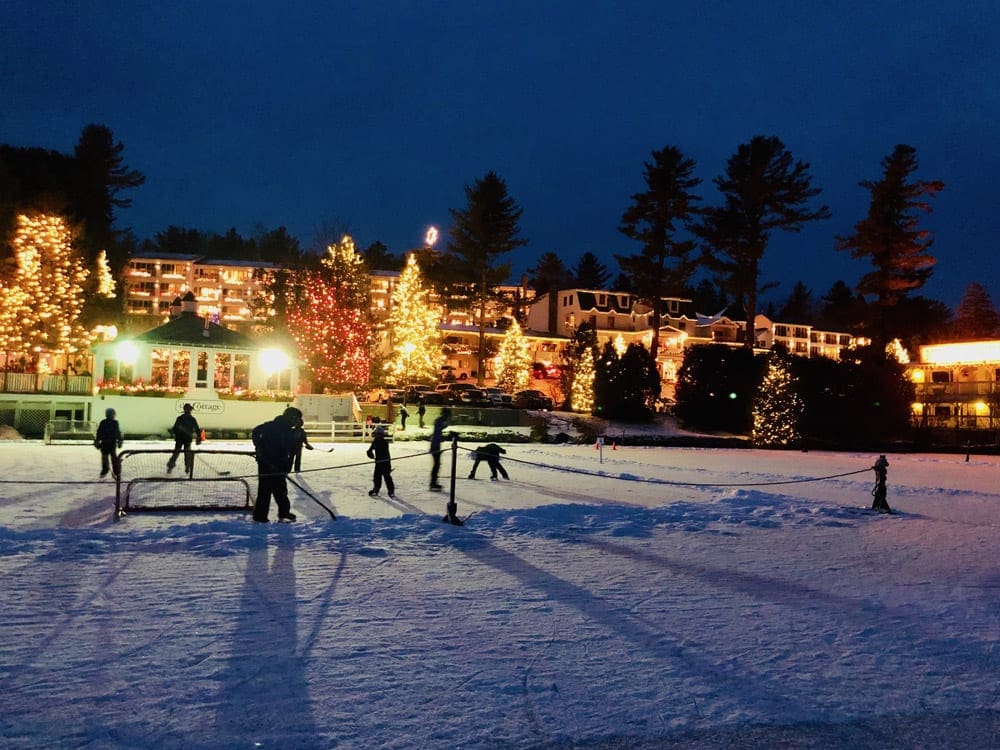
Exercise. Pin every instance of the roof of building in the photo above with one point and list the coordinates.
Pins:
(201, 259)
(189, 329)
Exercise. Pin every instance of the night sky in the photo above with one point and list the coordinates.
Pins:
(374, 115)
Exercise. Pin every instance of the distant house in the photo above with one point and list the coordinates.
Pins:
(622, 318)
(192, 354)
(957, 386)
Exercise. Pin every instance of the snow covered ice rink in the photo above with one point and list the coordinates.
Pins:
(680, 598)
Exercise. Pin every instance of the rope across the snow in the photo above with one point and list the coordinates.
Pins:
(508, 458)
(647, 480)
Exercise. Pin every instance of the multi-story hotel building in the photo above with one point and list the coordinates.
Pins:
(224, 290)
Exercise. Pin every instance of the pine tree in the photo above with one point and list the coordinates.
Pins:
(764, 190)
(482, 233)
(798, 308)
(590, 273)
(582, 393)
(776, 407)
(513, 370)
(43, 298)
(890, 237)
(413, 324)
(655, 219)
(976, 317)
(332, 336)
(548, 277)
(345, 269)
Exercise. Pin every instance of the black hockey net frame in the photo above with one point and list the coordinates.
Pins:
(215, 480)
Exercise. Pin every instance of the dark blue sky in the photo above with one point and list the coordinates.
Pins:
(375, 115)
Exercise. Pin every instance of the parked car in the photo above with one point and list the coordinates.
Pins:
(532, 399)
(473, 397)
(495, 395)
(415, 391)
(452, 391)
(540, 370)
(450, 374)
(433, 398)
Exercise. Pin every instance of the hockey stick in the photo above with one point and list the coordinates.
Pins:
(312, 497)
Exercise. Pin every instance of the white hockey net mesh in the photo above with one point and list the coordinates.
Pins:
(213, 480)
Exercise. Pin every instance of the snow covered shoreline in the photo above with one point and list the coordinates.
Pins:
(642, 597)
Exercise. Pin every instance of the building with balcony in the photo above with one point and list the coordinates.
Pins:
(223, 289)
(957, 387)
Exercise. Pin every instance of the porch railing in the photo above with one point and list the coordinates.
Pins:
(30, 382)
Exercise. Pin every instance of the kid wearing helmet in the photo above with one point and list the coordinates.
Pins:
(108, 441)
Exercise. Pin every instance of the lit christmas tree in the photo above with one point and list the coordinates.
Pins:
(582, 392)
(513, 369)
(777, 407)
(40, 303)
(413, 325)
(332, 337)
(344, 267)
(105, 279)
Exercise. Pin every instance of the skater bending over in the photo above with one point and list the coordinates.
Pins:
(490, 453)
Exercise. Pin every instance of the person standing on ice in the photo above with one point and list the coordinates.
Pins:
(274, 443)
(881, 469)
(185, 430)
(301, 441)
(403, 414)
(437, 438)
(421, 410)
(490, 453)
(379, 450)
(109, 441)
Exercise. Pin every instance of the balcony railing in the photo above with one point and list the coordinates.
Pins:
(964, 391)
(30, 382)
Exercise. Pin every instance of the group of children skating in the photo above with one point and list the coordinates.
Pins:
(278, 446)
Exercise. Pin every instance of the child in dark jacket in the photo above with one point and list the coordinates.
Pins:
(490, 453)
(108, 441)
(379, 450)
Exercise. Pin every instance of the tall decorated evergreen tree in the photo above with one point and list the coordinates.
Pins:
(582, 391)
(764, 190)
(345, 268)
(513, 369)
(891, 238)
(414, 326)
(332, 336)
(777, 406)
(43, 296)
(584, 338)
(482, 233)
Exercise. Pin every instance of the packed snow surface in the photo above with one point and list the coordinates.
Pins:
(618, 598)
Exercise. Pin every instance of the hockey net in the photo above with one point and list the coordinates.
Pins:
(217, 480)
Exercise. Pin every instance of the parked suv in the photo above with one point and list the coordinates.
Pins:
(532, 399)
(495, 395)
(452, 393)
